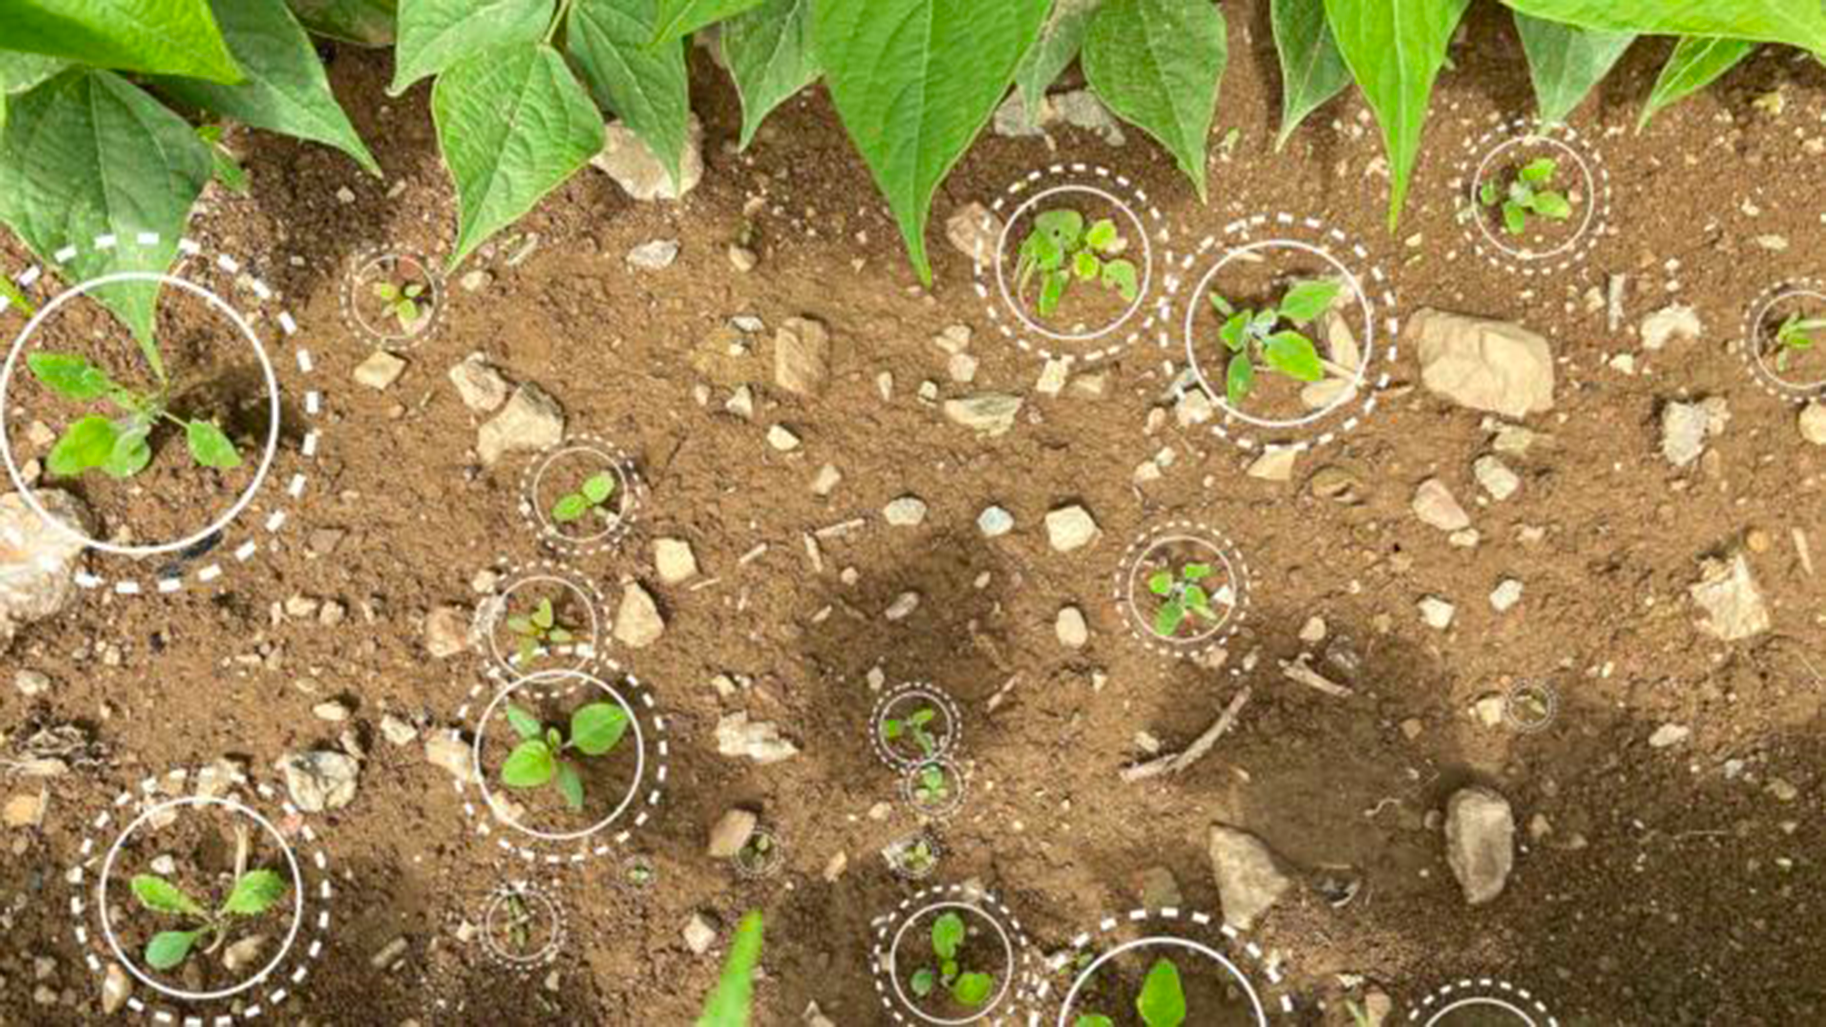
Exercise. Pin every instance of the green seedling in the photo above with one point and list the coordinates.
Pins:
(518, 917)
(254, 892)
(12, 296)
(1162, 1002)
(1181, 597)
(1528, 194)
(916, 858)
(591, 497)
(119, 446)
(756, 851)
(967, 988)
(733, 1000)
(1253, 335)
(914, 727)
(402, 302)
(1060, 249)
(540, 757)
(1795, 336)
(223, 165)
(931, 786)
(537, 632)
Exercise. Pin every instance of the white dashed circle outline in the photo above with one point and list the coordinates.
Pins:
(900, 845)
(492, 611)
(1167, 925)
(891, 928)
(1488, 991)
(292, 493)
(1550, 696)
(952, 740)
(1750, 342)
(628, 483)
(547, 953)
(1127, 581)
(1007, 316)
(1471, 170)
(367, 258)
(909, 781)
(770, 865)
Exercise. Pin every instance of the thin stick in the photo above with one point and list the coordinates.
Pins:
(1176, 762)
(1297, 671)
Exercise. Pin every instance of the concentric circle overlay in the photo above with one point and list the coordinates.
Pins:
(216, 302)
(1228, 587)
(1481, 997)
(640, 755)
(1162, 941)
(238, 809)
(1481, 162)
(378, 264)
(1147, 268)
(1786, 297)
(1010, 962)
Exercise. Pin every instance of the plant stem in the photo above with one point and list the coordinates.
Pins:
(564, 8)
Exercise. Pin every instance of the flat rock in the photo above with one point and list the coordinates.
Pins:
(638, 623)
(1275, 464)
(700, 933)
(1249, 879)
(447, 751)
(380, 370)
(656, 255)
(1812, 423)
(991, 413)
(1732, 602)
(1435, 505)
(1677, 321)
(973, 231)
(627, 159)
(478, 384)
(674, 560)
(447, 631)
(319, 780)
(905, 512)
(802, 353)
(1686, 426)
(731, 832)
(1071, 628)
(1480, 842)
(38, 560)
(760, 741)
(1495, 477)
(531, 420)
(994, 522)
(1487, 365)
(1070, 527)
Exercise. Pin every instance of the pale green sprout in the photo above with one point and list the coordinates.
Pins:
(1061, 250)
(1528, 194)
(1259, 335)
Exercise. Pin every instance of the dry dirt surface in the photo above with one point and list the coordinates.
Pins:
(1666, 787)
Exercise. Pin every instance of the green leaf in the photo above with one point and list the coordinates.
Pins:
(1538, 171)
(1235, 332)
(1102, 235)
(1161, 583)
(1086, 266)
(1312, 70)
(914, 81)
(161, 896)
(924, 981)
(1487, 194)
(769, 53)
(513, 125)
(88, 443)
(1566, 61)
(19, 72)
(254, 892)
(1197, 601)
(1694, 64)
(570, 508)
(1061, 226)
(226, 171)
(1239, 378)
(88, 153)
(599, 487)
(1121, 276)
(1515, 217)
(1093, 1020)
(530, 765)
(598, 727)
(523, 722)
(730, 1004)
(167, 949)
(1196, 571)
(646, 86)
(947, 935)
(1061, 37)
(1162, 1002)
(1168, 618)
(131, 453)
(285, 90)
(1293, 355)
(1308, 298)
(434, 35)
(362, 22)
(544, 616)
(70, 376)
(171, 37)
(973, 989)
(1394, 49)
(1052, 290)
(676, 19)
(1799, 23)
(210, 447)
(1157, 64)
(570, 786)
(1550, 204)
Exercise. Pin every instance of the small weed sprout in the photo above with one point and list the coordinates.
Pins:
(223, 165)
(254, 892)
(1528, 194)
(539, 758)
(914, 727)
(968, 988)
(916, 858)
(931, 786)
(1795, 336)
(1060, 249)
(537, 632)
(1162, 1002)
(518, 917)
(1252, 335)
(401, 300)
(118, 446)
(1181, 597)
(756, 851)
(591, 497)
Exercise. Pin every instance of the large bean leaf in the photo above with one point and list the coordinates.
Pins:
(513, 124)
(1566, 61)
(88, 153)
(914, 82)
(1061, 37)
(769, 54)
(1799, 23)
(21, 71)
(170, 37)
(1695, 63)
(1312, 70)
(644, 85)
(285, 90)
(1394, 49)
(435, 34)
(1157, 65)
(730, 1004)
(676, 19)
(362, 22)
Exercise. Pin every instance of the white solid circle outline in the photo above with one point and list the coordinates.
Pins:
(909, 787)
(1141, 292)
(894, 962)
(1170, 941)
(621, 482)
(1481, 1000)
(1367, 346)
(500, 609)
(938, 701)
(640, 757)
(291, 860)
(1591, 196)
(273, 412)
(434, 277)
(1229, 571)
(1755, 344)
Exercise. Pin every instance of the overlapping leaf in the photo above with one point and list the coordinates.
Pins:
(160, 37)
(1312, 70)
(362, 22)
(769, 54)
(1799, 23)
(644, 85)
(676, 19)
(1566, 61)
(436, 34)
(1157, 65)
(1695, 63)
(1061, 38)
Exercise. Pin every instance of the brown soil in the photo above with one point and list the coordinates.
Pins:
(1677, 885)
